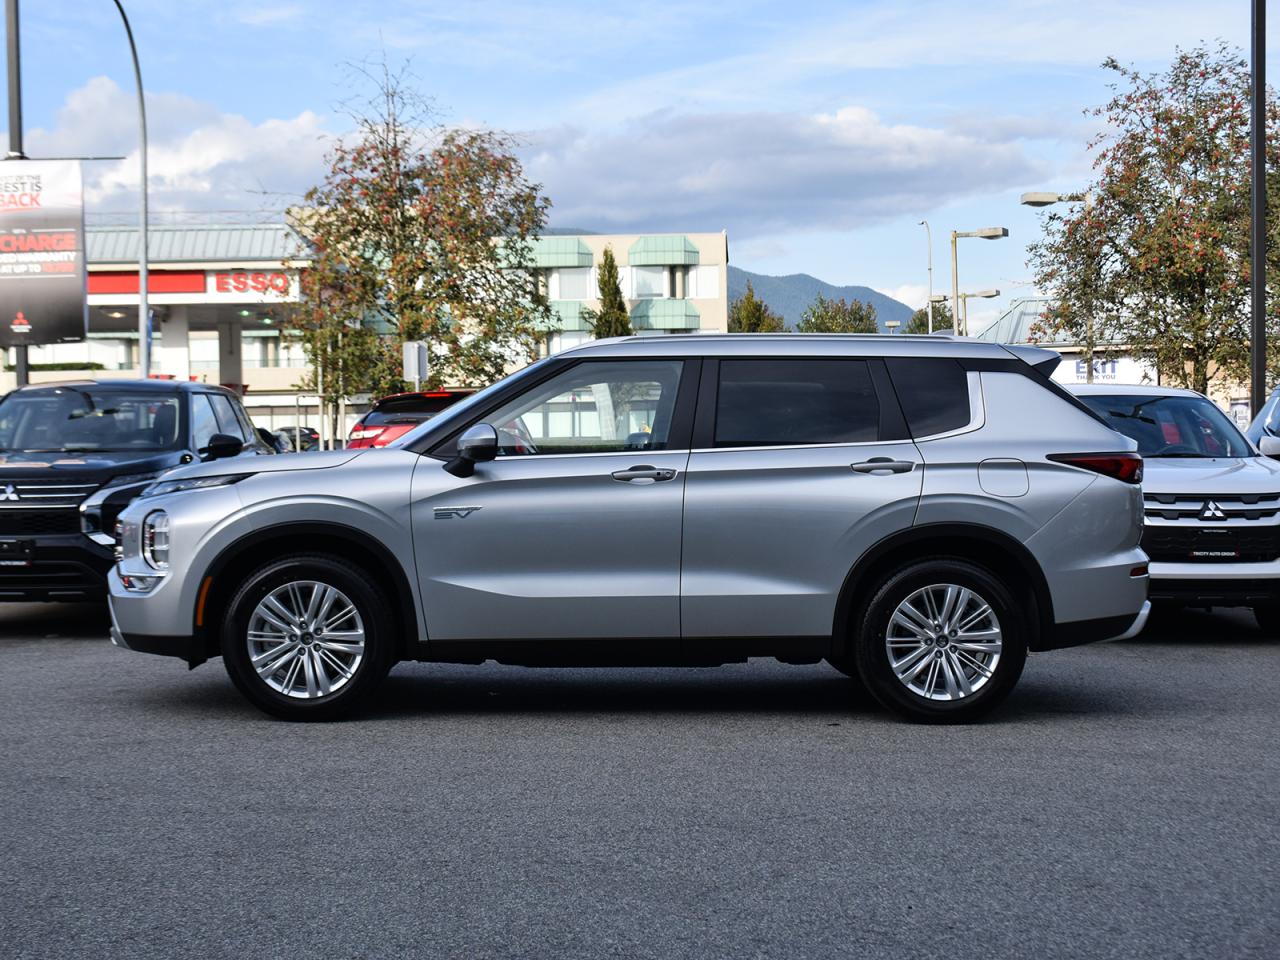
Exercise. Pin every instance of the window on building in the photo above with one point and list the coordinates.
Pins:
(603, 406)
(573, 283)
(933, 393)
(703, 282)
(767, 403)
(648, 282)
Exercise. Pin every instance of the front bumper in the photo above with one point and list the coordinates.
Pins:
(1216, 584)
(142, 622)
(62, 568)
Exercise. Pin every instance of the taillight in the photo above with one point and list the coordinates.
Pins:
(365, 433)
(1126, 467)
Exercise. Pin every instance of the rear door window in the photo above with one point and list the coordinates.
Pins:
(933, 393)
(768, 403)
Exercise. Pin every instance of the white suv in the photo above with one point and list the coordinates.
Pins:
(1211, 500)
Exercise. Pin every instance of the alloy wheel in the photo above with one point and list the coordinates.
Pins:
(306, 639)
(944, 642)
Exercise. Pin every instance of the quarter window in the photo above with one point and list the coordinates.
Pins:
(594, 407)
(766, 403)
(933, 393)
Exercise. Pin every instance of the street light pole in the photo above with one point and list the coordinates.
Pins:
(1258, 208)
(929, 303)
(14, 56)
(144, 310)
(986, 233)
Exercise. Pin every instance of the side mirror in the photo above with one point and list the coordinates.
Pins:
(1269, 446)
(477, 444)
(222, 445)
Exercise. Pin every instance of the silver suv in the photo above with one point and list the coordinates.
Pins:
(920, 512)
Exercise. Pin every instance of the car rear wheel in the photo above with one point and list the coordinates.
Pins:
(308, 638)
(941, 641)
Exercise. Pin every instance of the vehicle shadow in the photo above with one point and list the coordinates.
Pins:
(45, 622)
(1185, 626)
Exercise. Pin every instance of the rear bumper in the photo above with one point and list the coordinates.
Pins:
(62, 568)
(1079, 632)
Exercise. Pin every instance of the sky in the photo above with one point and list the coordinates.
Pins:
(817, 134)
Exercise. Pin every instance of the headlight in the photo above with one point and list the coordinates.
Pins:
(155, 539)
(191, 483)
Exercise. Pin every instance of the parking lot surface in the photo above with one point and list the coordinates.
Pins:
(1123, 803)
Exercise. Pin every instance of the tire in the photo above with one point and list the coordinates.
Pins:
(1268, 617)
(949, 684)
(323, 674)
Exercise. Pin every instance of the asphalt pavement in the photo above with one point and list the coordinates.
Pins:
(1122, 804)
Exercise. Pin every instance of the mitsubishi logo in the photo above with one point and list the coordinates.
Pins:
(1211, 511)
(8, 493)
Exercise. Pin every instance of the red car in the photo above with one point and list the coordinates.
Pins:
(396, 415)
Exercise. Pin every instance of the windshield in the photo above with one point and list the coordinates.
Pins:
(85, 419)
(1171, 426)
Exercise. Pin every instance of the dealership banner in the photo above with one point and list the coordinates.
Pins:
(42, 255)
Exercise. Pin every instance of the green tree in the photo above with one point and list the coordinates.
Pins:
(421, 233)
(836, 316)
(750, 314)
(1158, 259)
(919, 322)
(612, 319)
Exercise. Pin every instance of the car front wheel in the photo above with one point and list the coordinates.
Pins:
(308, 637)
(941, 641)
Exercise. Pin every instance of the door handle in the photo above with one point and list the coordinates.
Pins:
(882, 466)
(643, 472)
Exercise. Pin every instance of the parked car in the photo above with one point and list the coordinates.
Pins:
(300, 438)
(919, 511)
(73, 455)
(1212, 501)
(394, 416)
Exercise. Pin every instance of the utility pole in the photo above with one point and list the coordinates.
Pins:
(1258, 208)
(14, 51)
(929, 302)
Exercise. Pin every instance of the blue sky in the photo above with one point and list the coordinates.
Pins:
(818, 134)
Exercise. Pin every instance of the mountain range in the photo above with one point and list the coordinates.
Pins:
(789, 295)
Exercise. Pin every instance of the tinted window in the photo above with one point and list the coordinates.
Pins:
(203, 423)
(1171, 426)
(226, 416)
(765, 403)
(933, 392)
(88, 418)
(601, 406)
(410, 409)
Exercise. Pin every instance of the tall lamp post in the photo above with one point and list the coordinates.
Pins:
(964, 304)
(1258, 207)
(1044, 198)
(929, 303)
(144, 310)
(986, 233)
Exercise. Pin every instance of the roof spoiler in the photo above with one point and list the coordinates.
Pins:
(1046, 361)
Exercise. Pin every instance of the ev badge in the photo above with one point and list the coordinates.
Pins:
(449, 513)
(9, 493)
(1211, 511)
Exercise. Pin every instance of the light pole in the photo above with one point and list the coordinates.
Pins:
(986, 233)
(892, 325)
(144, 311)
(1044, 198)
(941, 298)
(964, 304)
(1258, 207)
(929, 303)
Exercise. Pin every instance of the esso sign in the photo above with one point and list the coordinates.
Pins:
(250, 284)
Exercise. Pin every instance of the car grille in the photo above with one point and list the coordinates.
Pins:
(32, 508)
(1232, 506)
(1188, 544)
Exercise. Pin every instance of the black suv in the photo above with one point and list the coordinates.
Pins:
(72, 456)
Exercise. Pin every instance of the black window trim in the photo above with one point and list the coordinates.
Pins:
(892, 427)
(681, 417)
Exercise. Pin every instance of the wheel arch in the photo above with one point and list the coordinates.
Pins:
(998, 551)
(266, 543)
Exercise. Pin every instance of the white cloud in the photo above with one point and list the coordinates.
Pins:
(760, 173)
(269, 15)
(199, 158)
(914, 295)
